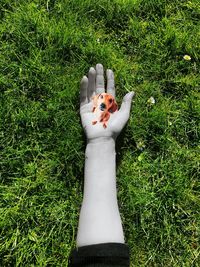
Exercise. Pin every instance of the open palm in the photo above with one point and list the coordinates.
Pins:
(91, 86)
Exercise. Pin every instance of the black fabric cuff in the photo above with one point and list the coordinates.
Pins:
(104, 254)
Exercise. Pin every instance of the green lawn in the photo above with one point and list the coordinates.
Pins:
(45, 49)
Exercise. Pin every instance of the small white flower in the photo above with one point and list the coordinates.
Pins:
(151, 100)
(98, 40)
(140, 145)
(187, 57)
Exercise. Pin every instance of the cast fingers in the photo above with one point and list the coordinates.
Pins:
(91, 82)
(83, 91)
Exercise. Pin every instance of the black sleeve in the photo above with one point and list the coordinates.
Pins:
(104, 254)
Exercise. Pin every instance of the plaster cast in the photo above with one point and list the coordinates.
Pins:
(99, 220)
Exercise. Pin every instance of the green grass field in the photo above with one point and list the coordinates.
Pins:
(46, 47)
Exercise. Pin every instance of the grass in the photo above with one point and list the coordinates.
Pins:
(45, 49)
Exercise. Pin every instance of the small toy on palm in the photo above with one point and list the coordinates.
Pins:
(103, 105)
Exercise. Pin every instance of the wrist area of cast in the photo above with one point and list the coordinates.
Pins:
(100, 146)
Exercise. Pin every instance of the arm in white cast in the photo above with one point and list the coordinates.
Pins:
(99, 220)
